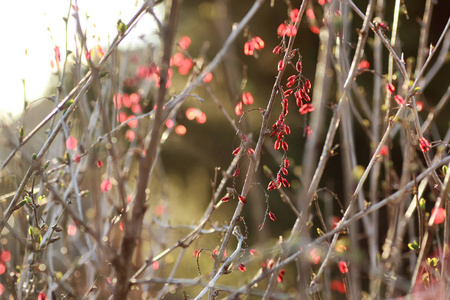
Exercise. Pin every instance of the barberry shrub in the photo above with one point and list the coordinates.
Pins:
(275, 150)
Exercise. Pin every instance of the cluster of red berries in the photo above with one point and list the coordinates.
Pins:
(300, 87)
(255, 43)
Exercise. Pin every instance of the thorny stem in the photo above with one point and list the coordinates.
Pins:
(224, 268)
(445, 261)
(388, 130)
(424, 32)
(170, 105)
(318, 99)
(78, 219)
(438, 64)
(335, 119)
(387, 100)
(305, 203)
(186, 241)
(254, 161)
(376, 118)
(63, 124)
(186, 282)
(430, 226)
(163, 291)
(7, 214)
(133, 223)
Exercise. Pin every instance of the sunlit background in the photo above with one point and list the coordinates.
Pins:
(32, 29)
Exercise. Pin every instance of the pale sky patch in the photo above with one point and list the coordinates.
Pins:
(35, 27)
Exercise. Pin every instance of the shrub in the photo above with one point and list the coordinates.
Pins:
(174, 172)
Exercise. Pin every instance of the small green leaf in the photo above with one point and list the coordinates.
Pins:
(422, 204)
(121, 27)
(413, 246)
(432, 262)
(319, 231)
(68, 103)
(21, 133)
(41, 198)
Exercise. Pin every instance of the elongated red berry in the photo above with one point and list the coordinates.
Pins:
(276, 50)
(306, 108)
(424, 145)
(242, 268)
(281, 29)
(277, 145)
(258, 43)
(272, 216)
(271, 186)
(390, 88)
(292, 78)
(285, 182)
(287, 129)
(291, 30)
(294, 15)
(399, 100)
(247, 98)
(249, 48)
(307, 85)
(288, 92)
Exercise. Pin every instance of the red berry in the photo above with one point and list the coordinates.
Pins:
(272, 216)
(280, 65)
